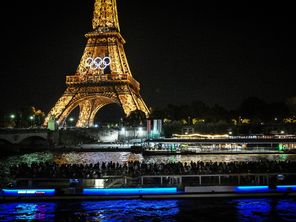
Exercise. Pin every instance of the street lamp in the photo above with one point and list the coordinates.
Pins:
(12, 122)
(31, 119)
(71, 120)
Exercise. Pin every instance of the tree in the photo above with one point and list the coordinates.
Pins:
(253, 108)
(135, 118)
(157, 114)
(256, 109)
(291, 104)
(30, 116)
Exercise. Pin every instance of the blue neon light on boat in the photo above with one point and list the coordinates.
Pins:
(128, 191)
(28, 192)
(251, 189)
(286, 187)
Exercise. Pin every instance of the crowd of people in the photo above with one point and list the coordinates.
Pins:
(135, 169)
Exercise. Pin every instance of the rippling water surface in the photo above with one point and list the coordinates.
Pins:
(263, 209)
(94, 157)
(121, 157)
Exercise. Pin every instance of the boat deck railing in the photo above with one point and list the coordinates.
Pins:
(162, 181)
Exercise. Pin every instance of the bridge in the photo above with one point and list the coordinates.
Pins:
(41, 137)
(23, 136)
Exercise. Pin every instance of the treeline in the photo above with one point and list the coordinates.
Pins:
(253, 116)
(251, 110)
(24, 117)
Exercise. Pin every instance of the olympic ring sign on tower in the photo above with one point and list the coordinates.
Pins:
(98, 63)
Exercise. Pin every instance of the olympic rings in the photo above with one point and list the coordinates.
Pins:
(97, 63)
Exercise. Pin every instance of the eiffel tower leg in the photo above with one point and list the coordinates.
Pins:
(86, 108)
(131, 102)
(99, 103)
(89, 109)
(142, 105)
(58, 111)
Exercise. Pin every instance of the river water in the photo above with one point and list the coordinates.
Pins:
(94, 157)
(219, 209)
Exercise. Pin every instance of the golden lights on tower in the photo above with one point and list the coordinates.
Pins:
(103, 75)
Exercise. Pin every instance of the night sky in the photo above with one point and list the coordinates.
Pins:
(218, 53)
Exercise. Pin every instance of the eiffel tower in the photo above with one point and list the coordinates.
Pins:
(103, 75)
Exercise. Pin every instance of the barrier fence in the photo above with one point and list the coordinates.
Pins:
(162, 181)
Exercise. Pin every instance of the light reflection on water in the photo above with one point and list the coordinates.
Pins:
(259, 209)
(21, 211)
(208, 209)
(94, 157)
(121, 157)
(221, 157)
(266, 209)
(131, 210)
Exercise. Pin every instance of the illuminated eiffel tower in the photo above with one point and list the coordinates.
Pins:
(103, 75)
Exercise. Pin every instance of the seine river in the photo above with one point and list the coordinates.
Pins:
(206, 209)
(94, 157)
(219, 209)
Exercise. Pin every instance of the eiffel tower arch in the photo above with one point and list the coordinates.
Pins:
(103, 75)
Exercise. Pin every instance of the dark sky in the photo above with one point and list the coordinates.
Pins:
(217, 52)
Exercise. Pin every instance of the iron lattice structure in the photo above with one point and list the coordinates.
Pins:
(103, 75)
